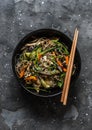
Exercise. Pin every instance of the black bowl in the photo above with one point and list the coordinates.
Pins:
(46, 33)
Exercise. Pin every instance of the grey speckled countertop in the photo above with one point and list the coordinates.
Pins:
(18, 18)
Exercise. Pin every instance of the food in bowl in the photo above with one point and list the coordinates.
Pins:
(42, 64)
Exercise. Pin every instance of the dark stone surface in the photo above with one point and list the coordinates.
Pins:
(18, 18)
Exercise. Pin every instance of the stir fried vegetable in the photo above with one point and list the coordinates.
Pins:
(43, 64)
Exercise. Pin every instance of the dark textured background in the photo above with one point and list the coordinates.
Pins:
(18, 18)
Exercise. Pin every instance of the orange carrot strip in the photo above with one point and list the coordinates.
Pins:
(21, 74)
(59, 63)
(67, 59)
(39, 56)
(64, 69)
(31, 78)
(22, 71)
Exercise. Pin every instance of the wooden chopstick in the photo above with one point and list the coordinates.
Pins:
(69, 69)
(66, 78)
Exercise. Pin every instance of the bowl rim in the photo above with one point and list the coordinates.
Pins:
(21, 41)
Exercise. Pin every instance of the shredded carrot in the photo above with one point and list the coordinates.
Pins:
(59, 63)
(67, 59)
(64, 69)
(21, 74)
(34, 78)
(22, 71)
(39, 56)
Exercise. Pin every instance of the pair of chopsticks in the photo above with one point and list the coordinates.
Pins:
(65, 91)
